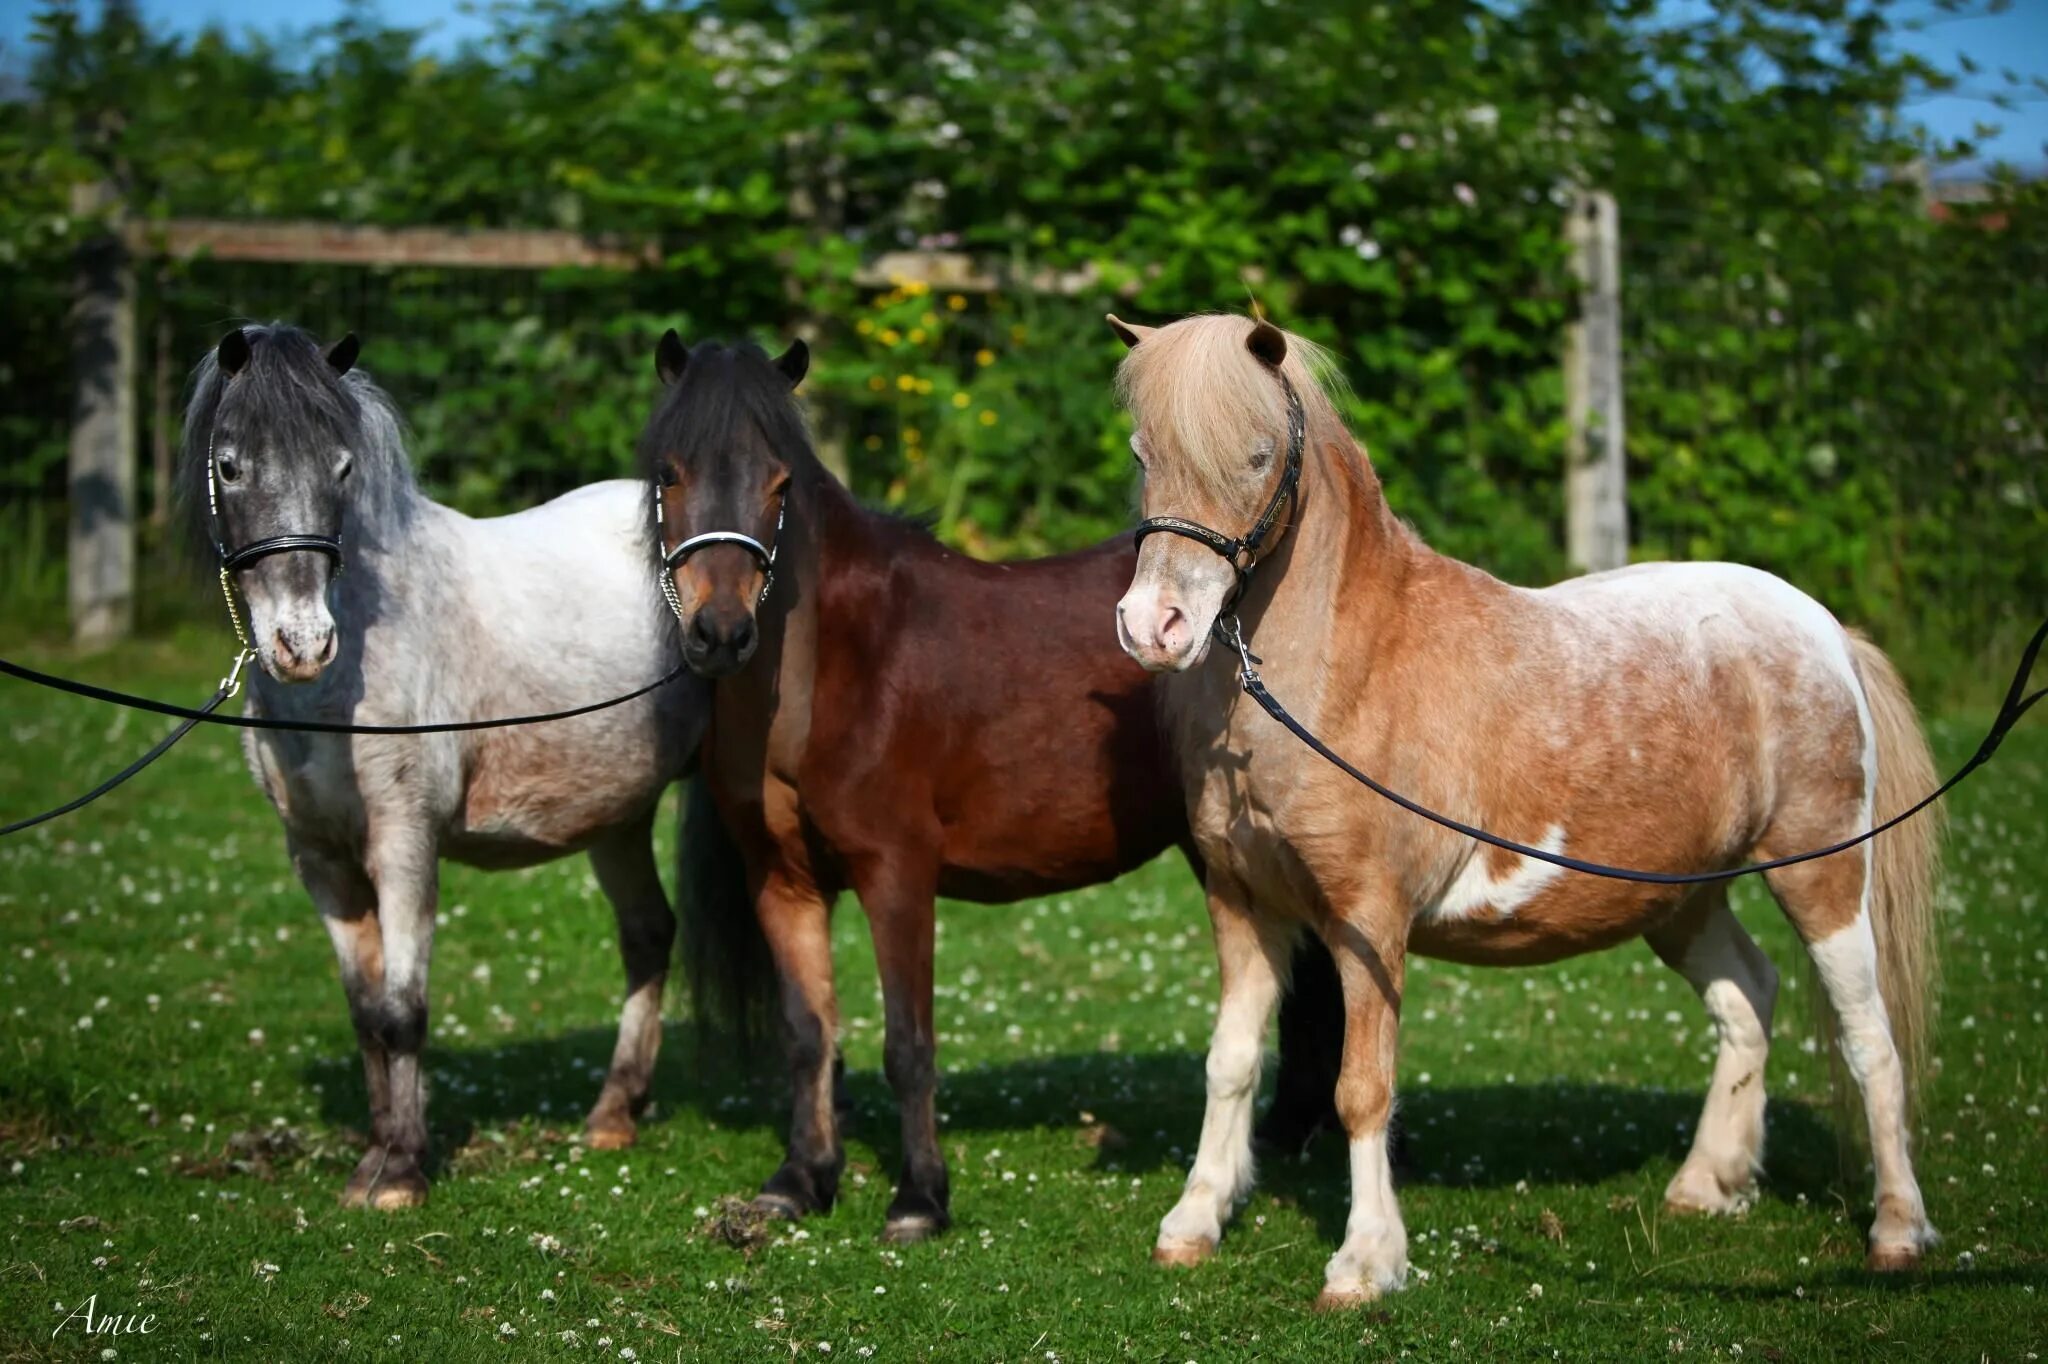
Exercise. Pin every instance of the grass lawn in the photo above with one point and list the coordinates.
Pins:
(180, 1098)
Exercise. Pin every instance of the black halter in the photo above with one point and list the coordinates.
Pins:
(672, 559)
(1242, 552)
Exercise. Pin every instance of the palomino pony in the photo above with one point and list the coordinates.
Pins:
(437, 617)
(881, 725)
(1673, 717)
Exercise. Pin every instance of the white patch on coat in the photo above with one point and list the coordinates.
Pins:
(1475, 889)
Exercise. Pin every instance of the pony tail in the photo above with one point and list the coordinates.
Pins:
(1904, 862)
(725, 957)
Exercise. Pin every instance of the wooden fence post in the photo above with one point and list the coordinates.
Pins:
(103, 438)
(1596, 472)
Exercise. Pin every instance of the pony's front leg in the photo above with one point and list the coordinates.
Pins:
(899, 905)
(347, 902)
(1251, 957)
(1371, 954)
(406, 871)
(624, 862)
(796, 920)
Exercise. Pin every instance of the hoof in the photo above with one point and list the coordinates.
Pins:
(909, 1230)
(777, 1206)
(389, 1196)
(385, 1180)
(1702, 1195)
(1344, 1299)
(1894, 1259)
(610, 1138)
(1183, 1254)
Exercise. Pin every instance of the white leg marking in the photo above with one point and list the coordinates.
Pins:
(1847, 963)
(1223, 1172)
(1739, 987)
(1374, 1257)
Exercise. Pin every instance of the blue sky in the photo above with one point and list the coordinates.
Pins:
(2016, 40)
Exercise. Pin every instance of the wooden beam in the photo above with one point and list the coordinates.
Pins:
(303, 243)
(1596, 467)
(955, 271)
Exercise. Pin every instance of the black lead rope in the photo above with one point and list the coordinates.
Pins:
(206, 714)
(162, 747)
(2017, 703)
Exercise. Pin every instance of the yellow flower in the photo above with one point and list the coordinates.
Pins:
(913, 454)
(988, 418)
(911, 435)
(917, 336)
(873, 442)
(984, 357)
(924, 385)
(890, 336)
(916, 288)
(864, 327)
(961, 400)
(898, 490)
(877, 382)
(907, 382)
(1017, 335)
(956, 302)
(930, 319)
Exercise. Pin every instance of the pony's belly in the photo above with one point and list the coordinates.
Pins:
(1571, 918)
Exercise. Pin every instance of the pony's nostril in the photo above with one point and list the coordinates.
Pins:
(286, 656)
(1173, 628)
(701, 637)
(743, 635)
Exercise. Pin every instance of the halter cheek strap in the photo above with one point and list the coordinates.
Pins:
(672, 559)
(1242, 551)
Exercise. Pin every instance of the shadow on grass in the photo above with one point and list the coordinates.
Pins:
(1145, 1112)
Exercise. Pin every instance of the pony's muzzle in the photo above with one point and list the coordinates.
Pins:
(1157, 631)
(300, 653)
(719, 641)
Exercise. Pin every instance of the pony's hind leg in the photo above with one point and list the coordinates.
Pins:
(1371, 954)
(1251, 957)
(797, 922)
(1825, 902)
(1707, 945)
(347, 902)
(900, 919)
(624, 862)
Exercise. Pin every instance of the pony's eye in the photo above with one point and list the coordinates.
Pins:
(666, 476)
(1262, 456)
(348, 466)
(230, 467)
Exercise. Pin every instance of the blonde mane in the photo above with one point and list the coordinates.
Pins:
(1194, 383)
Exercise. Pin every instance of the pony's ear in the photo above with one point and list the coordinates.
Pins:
(1267, 342)
(232, 353)
(670, 356)
(1130, 333)
(794, 362)
(341, 356)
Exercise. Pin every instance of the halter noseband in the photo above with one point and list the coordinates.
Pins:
(235, 560)
(1242, 552)
(672, 559)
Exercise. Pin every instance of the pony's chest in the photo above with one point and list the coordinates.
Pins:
(312, 781)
